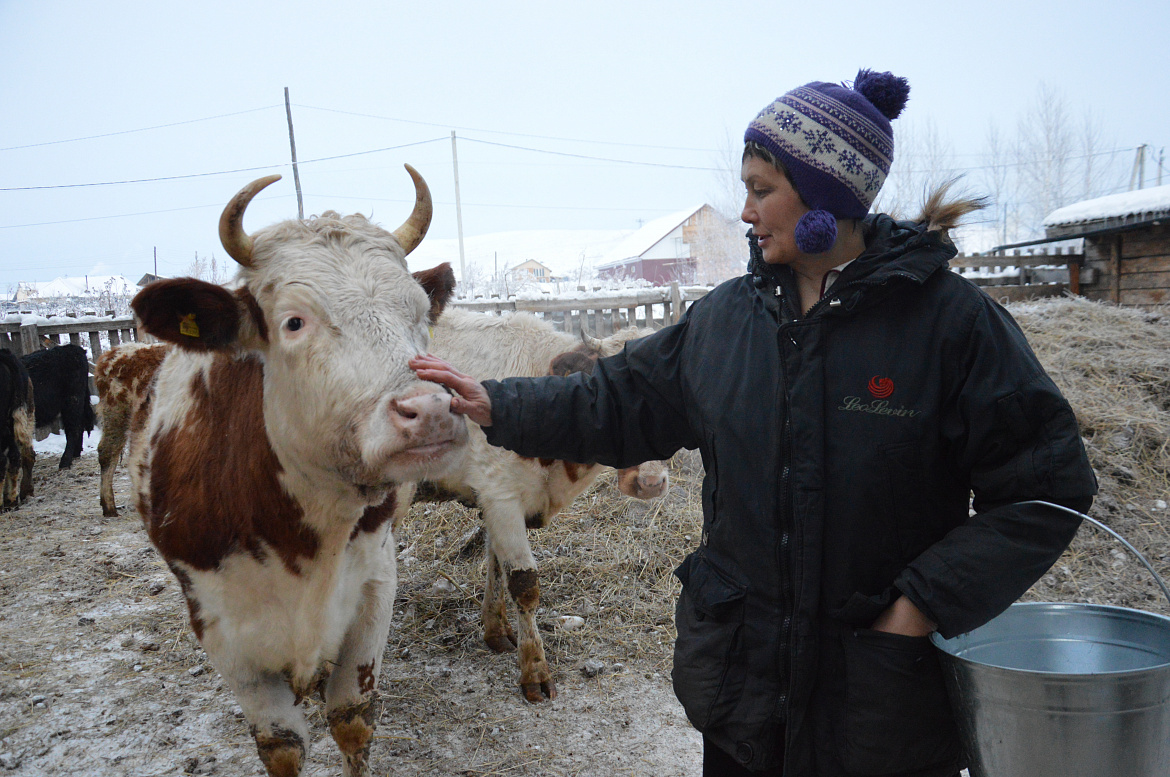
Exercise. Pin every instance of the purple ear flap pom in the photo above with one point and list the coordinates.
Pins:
(816, 232)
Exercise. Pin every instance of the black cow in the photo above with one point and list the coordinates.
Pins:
(16, 429)
(60, 378)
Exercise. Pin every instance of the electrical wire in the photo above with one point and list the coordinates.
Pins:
(140, 129)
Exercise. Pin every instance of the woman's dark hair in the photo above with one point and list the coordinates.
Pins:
(754, 149)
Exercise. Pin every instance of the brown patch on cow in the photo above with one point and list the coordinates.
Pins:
(524, 586)
(168, 308)
(374, 516)
(193, 607)
(573, 470)
(255, 313)
(282, 751)
(214, 489)
(546, 463)
(366, 679)
(431, 492)
(569, 362)
(353, 730)
(439, 284)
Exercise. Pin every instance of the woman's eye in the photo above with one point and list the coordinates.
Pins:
(294, 324)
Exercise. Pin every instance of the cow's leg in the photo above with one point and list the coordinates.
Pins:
(508, 541)
(115, 423)
(275, 721)
(11, 475)
(24, 427)
(497, 630)
(351, 689)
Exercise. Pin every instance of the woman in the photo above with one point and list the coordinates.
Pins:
(848, 396)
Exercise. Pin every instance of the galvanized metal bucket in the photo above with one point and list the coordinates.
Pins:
(1064, 690)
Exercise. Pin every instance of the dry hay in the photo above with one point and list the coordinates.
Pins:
(1113, 365)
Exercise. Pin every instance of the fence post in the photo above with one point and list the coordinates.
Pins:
(29, 342)
(676, 308)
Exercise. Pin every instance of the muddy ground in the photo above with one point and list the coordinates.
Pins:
(99, 674)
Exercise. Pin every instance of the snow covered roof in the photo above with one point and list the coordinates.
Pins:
(1112, 210)
(650, 234)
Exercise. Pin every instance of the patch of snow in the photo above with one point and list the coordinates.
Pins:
(1147, 203)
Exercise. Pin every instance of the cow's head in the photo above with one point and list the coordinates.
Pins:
(329, 305)
(649, 479)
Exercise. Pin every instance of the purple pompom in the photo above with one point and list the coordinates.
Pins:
(816, 232)
(886, 91)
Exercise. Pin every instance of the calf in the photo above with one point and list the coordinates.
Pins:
(123, 376)
(275, 449)
(16, 429)
(60, 378)
(514, 493)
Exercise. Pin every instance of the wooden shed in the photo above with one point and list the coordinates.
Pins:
(1127, 242)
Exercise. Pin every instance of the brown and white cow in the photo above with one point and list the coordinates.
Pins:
(514, 493)
(123, 375)
(275, 449)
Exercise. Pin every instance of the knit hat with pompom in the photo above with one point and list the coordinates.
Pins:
(837, 144)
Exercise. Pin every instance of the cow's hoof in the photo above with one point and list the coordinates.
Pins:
(111, 512)
(536, 693)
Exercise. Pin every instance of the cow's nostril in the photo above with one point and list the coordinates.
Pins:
(402, 409)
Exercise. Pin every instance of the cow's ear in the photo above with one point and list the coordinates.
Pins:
(439, 284)
(190, 313)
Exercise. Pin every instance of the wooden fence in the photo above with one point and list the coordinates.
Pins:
(1018, 275)
(599, 315)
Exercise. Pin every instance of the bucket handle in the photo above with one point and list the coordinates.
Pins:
(1103, 527)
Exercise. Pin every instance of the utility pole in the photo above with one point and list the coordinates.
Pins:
(1138, 174)
(156, 261)
(293, 143)
(1161, 155)
(458, 207)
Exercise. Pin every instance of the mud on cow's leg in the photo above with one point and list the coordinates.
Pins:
(497, 630)
(536, 678)
(351, 691)
(274, 720)
(114, 426)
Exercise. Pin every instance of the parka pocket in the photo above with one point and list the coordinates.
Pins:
(709, 615)
(896, 716)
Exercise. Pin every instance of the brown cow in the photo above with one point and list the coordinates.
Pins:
(276, 447)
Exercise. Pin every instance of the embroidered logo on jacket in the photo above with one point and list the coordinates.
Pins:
(880, 387)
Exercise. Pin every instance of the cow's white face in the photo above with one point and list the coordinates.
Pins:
(343, 316)
(330, 307)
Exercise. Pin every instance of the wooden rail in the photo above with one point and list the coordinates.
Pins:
(600, 315)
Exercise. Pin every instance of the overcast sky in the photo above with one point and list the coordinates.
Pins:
(598, 115)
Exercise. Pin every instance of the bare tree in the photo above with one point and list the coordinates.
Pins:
(208, 269)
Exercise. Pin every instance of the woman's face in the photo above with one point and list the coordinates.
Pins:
(772, 208)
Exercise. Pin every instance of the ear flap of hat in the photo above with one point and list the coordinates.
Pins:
(816, 232)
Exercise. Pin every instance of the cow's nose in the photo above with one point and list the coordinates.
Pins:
(652, 485)
(424, 417)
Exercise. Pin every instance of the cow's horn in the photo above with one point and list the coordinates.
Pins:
(411, 233)
(236, 241)
(590, 340)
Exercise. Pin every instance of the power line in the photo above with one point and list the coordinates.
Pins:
(503, 132)
(595, 158)
(204, 175)
(140, 129)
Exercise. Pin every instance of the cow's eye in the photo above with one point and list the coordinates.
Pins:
(294, 323)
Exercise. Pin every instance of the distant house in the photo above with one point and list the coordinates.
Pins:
(1127, 241)
(533, 270)
(148, 278)
(691, 246)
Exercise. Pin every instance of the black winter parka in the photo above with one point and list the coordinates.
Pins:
(841, 450)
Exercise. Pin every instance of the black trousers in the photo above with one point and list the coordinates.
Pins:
(717, 763)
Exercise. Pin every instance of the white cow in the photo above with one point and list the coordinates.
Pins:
(512, 492)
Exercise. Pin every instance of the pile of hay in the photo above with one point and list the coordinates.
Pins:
(609, 559)
(1113, 365)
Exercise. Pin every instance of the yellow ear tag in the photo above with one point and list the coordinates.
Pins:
(431, 332)
(187, 325)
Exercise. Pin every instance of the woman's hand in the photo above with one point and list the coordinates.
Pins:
(902, 617)
(471, 399)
